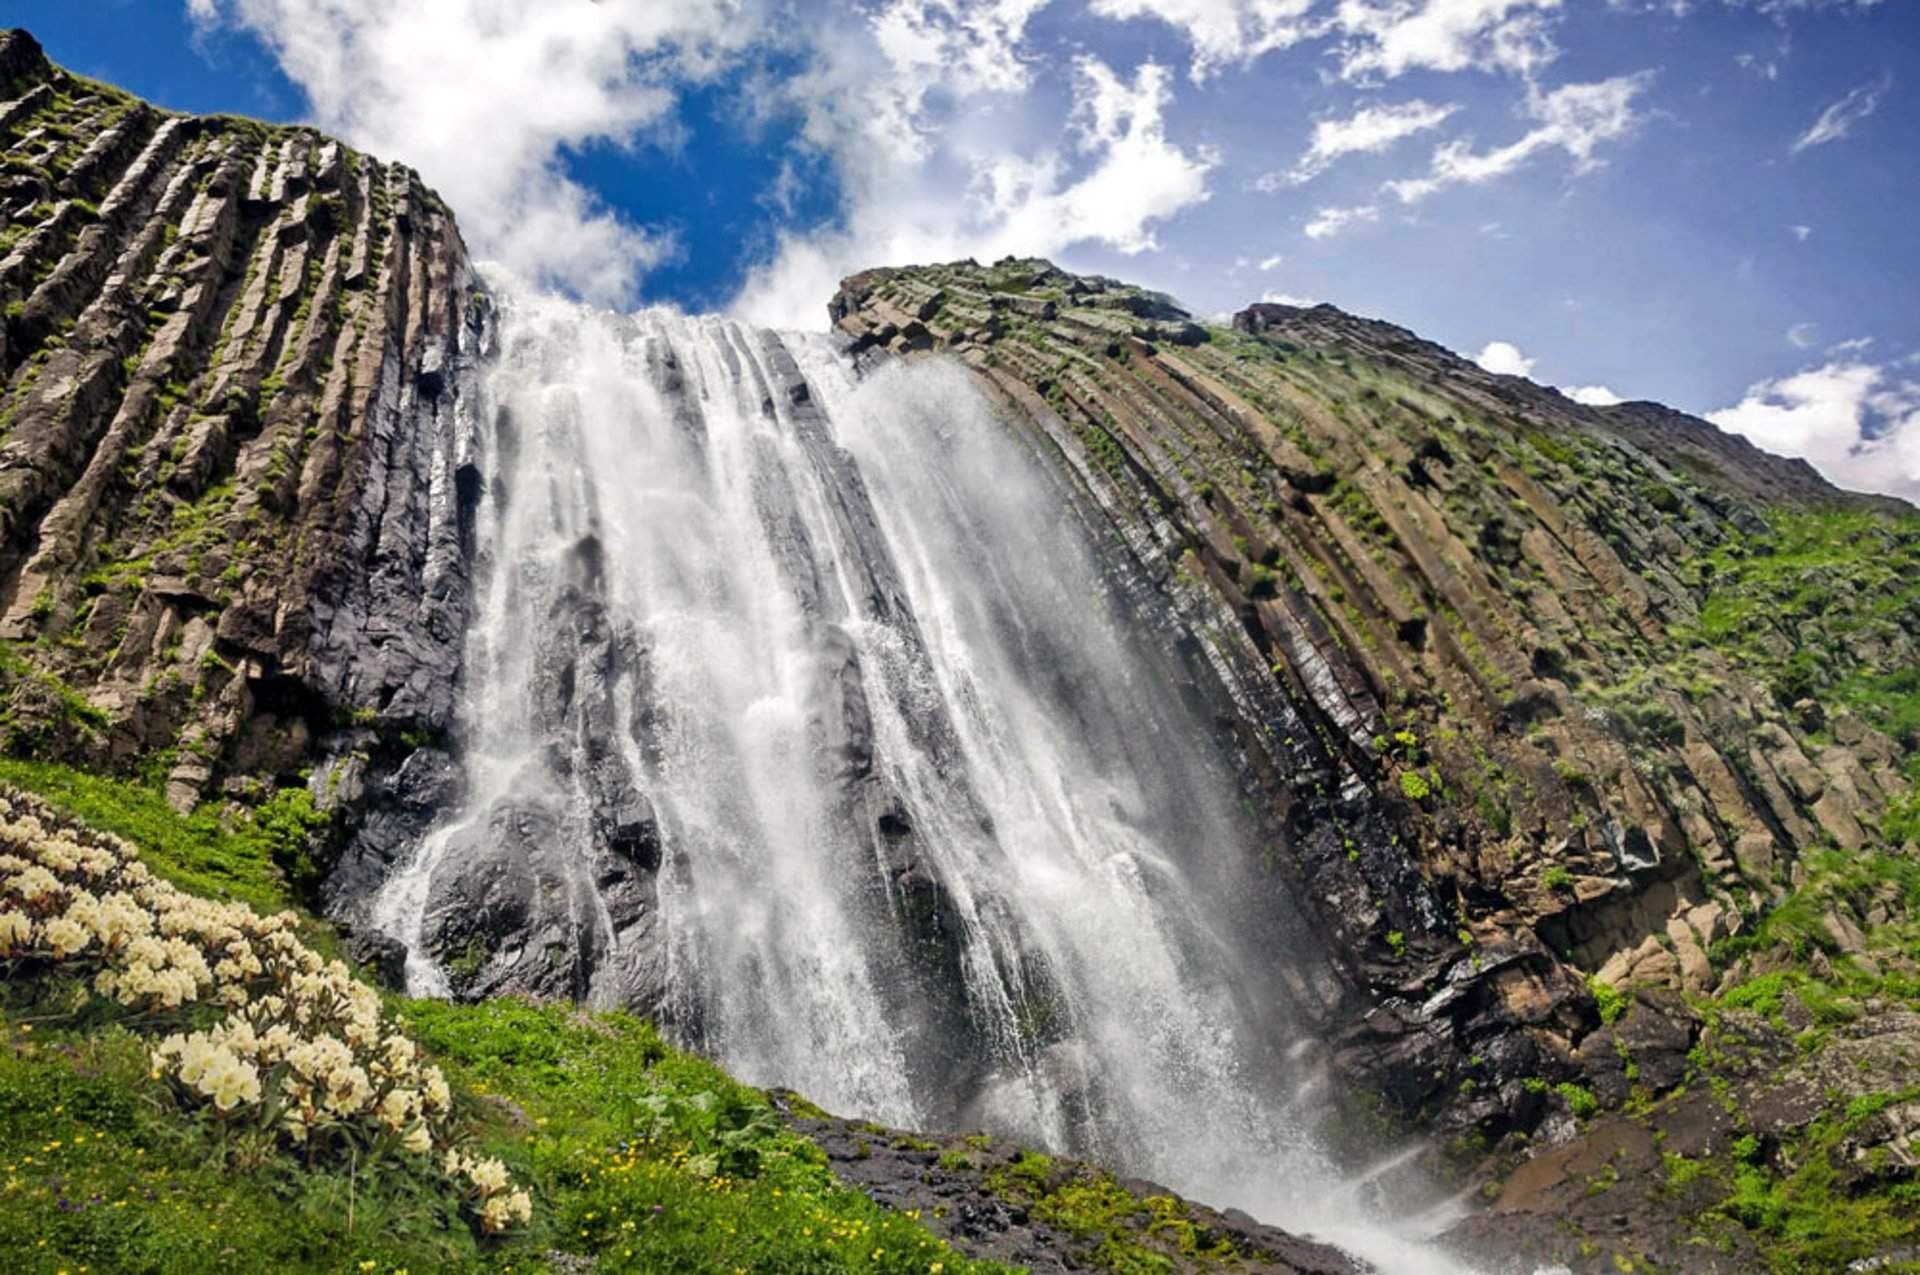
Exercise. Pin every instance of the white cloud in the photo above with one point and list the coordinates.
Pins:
(1391, 37)
(922, 109)
(1369, 130)
(1803, 335)
(1855, 423)
(1376, 39)
(1837, 120)
(1111, 179)
(1574, 118)
(1504, 357)
(1272, 263)
(968, 48)
(485, 96)
(1592, 395)
(1854, 345)
(1331, 221)
(1222, 32)
(1286, 298)
(1800, 233)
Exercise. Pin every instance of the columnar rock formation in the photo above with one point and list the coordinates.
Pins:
(231, 469)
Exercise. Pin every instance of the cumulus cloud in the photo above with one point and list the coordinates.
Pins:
(1268, 264)
(920, 108)
(1858, 423)
(1800, 233)
(1386, 38)
(1803, 335)
(1112, 179)
(1373, 39)
(965, 48)
(484, 97)
(1574, 118)
(1222, 32)
(1592, 395)
(1369, 130)
(1837, 120)
(1504, 357)
(1331, 221)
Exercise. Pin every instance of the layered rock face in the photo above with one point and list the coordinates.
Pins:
(1516, 688)
(234, 456)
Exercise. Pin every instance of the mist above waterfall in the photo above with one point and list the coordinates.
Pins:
(800, 715)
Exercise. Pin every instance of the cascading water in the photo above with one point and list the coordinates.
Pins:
(798, 714)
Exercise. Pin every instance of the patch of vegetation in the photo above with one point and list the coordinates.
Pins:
(1826, 580)
(1612, 1002)
(1125, 1233)
(1580, 1099)
(640, 1157)
(220, 853)
(1813, 1219)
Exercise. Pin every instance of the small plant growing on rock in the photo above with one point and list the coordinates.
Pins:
(1580, 1099)
(1613, 1003)
(1556, 878)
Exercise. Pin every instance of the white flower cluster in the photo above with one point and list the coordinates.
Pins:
(497, 1201)
(302, 1047)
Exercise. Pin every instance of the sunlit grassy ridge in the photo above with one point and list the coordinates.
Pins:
(643, 1157)
(1811, 606)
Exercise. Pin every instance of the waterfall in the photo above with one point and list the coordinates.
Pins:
(799, 715)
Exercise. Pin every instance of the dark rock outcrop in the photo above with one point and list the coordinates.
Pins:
(994, 1199)
(235, 444)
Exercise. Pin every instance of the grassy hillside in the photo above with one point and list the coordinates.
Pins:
(637, 1155)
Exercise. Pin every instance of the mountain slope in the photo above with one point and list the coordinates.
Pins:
(639, 1158)
(1543, 702)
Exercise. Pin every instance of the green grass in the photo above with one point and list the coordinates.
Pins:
(655, 1160)
(1580, 1099)
(201, 852)
(1822, 579)
(1811, 1219)
(1125, 1234)
(1792, 1196)
(98, 1175)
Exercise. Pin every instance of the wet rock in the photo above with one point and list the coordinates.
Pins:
(384, 955)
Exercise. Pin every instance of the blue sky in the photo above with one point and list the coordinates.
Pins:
(1707, 202)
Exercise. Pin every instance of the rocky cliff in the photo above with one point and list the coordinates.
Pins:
(234, 465)
(1543, 702)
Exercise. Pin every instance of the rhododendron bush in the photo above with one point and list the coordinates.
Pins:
(260, 1031)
